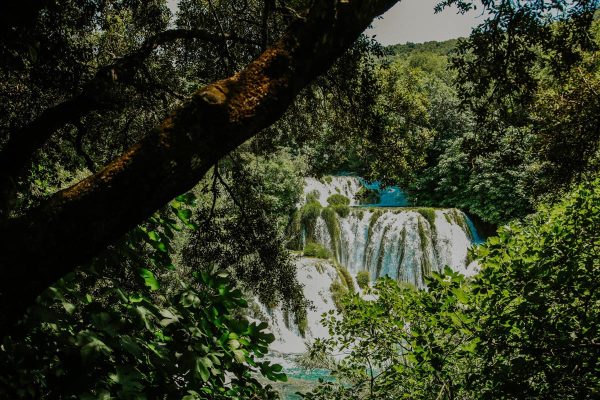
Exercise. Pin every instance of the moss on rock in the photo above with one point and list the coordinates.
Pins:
(309, 214)
(340, 203)
(345, 277)
(331, 221)
(362, 279)
(429, 215)
(374, 217)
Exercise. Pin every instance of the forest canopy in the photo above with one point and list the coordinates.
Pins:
(152, 204)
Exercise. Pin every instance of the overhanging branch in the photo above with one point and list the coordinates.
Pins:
(79, 222)
(97, 94)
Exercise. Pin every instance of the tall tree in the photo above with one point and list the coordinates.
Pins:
(76, 223)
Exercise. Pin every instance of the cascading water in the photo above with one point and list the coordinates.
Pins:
(403, 243)
(370, 229)
(406, 245)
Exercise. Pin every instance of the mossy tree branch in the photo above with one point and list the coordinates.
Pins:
(79, 222)
(97, 94)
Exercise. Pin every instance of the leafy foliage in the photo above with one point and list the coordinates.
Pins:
(313, 249)
(398, 344)
(526, 326)
(104, 332)
(243, 213)
(340, 204)
(496, 157)
(367, 196)
(538, 304)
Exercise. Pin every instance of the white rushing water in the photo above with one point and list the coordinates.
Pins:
(317, 276)
(404, 243)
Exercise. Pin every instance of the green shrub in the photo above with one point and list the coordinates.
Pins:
(367, 196)
(340, 204)
(338, 199)
(363, 279)
(308, 216)
(316, 250)
(545, 272)
(312, 197)
(342, 211)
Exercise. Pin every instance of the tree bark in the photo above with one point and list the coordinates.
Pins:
(98, 93)
(79, 222)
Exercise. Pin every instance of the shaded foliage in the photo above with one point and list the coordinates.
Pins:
(526, 326)
(139, 332)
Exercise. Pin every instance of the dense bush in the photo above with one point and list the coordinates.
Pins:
(538, 305)
(316, 250)
(527, 326)
(362, 279)
(340, 204)
(141, 331)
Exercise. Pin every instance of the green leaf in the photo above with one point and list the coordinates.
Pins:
(153, 235)
(184, 215)
(239, 356)
(202, 368)
(92, 346)
(149, 279)
(169, 317)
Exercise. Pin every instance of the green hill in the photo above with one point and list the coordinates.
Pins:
(405, 50)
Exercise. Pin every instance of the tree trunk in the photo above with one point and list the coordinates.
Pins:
(79, 222)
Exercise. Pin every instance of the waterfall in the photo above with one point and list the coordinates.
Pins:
(316, 276)
(404, 243)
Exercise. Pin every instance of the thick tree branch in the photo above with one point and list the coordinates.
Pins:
(97, 94)
(79, 222)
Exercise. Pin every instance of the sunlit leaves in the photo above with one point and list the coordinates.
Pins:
(149, 279)
(525, 327)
